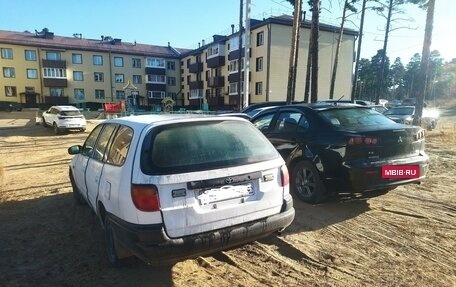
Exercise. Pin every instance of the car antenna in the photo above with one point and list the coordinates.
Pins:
(335, 103)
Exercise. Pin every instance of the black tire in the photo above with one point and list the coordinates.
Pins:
(56, 129)
(113, 249)
(306, 183)
(78, 198)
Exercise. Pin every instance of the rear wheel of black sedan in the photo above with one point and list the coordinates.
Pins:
(306, 183)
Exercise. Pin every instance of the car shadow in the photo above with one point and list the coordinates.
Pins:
(51, 241)
(336, 208)
(31, 129)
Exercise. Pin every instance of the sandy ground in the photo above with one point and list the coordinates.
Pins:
(403, 238)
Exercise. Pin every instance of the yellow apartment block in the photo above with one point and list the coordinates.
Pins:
(40, 69)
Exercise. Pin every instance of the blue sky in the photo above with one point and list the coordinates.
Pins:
(185, 23)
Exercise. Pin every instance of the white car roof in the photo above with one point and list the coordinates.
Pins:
(144, 120)
(66, 108)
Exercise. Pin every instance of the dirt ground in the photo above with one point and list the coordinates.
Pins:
(403, 238)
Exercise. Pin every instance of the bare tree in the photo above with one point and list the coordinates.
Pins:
(424, 63)
(348, 6)
(358, 51)
(315, 6)
(294, 50)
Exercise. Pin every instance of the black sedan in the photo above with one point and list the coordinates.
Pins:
(330, 147)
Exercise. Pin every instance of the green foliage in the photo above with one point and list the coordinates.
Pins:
(401, 81)
(421, 3)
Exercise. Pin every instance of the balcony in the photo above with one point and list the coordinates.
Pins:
(234, 77)
(234, 55)
(59, 64)
(155, 71)
(196, 85)
(195, 67)
(156, 87)
(55, 82)
(216, 82)
(216, 101)
(216, 62)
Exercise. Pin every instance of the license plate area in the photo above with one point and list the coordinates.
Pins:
(223, 193)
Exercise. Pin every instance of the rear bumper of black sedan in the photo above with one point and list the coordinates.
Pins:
(367, 175)
(151, 244)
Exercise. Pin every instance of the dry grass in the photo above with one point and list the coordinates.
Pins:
(1, 173)
(445, 132)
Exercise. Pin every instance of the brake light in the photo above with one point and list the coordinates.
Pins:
(284, 176)
(363, 140)
(145, 197)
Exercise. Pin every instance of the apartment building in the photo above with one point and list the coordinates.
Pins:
(40, 69)
(210, 73)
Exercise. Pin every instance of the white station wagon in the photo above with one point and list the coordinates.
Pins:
(171, 187)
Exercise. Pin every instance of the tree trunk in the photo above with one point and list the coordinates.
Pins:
(294, 51)
(308, 70)
(336, 57)
(314, 50)
(358, 52)
(385, 44)
(424, 63)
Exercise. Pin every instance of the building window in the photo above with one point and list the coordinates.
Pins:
(172, 95)
(30, 55)
(56, 92)
(259, 64)
(76, 59)
(78, 76)
(98, 60)
(196, 94)
(136, 63)
(155, 94)
(171, 81)
(118, 62)
(7, 53)
(54, 73)
(260, 38)
(120, 95)
(233, 66)
(98, 77)
(99, 94)
(32, 74)
(171, 65)
(79, 94)
(233, 88)
(157, 79)
(155, 62)
(52, 56)
(258, 88)
(10, 91)
(137, 79)
(119, 78)
(8, 72)
(213, 50)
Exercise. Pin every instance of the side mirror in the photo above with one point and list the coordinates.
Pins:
(76, 149)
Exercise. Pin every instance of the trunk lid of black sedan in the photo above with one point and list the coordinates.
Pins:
(383, 143)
